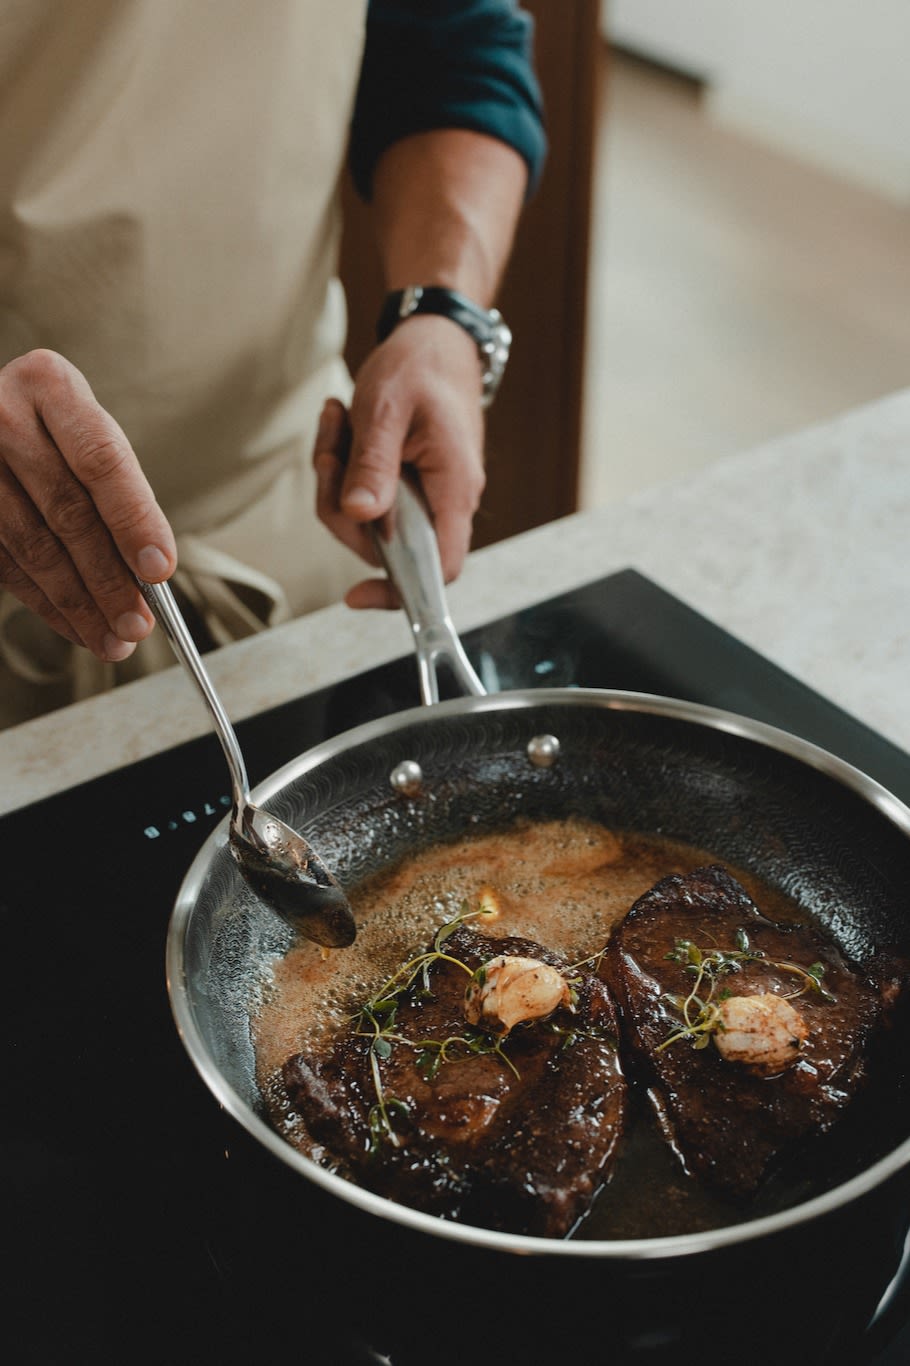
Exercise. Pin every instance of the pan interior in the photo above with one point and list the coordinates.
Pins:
(799, 827)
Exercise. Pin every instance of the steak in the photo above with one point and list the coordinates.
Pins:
(512, 1132)
(684, 951)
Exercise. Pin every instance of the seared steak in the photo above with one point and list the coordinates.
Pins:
(513, 1133)
(684, 957)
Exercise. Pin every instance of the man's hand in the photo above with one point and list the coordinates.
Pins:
(416, 402)
(77, 514)
(445, 204)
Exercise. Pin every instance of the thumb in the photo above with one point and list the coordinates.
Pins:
(374, 466)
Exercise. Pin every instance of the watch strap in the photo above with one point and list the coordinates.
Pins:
(486, 326)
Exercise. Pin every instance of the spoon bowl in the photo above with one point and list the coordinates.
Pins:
(286, 873)
(277, 862)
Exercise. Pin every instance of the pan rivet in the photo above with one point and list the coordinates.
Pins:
(543, 751)
(407, 777)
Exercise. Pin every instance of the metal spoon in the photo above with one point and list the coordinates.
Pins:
(275, 860)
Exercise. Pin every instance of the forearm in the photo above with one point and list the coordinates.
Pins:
(446, 204)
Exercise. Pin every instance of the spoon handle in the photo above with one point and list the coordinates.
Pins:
(169, 617)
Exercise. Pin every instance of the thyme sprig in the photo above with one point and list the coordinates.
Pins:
(592, 962)
(376, 1020)
(472, 1043)
(572, 1036)
(700, 1009)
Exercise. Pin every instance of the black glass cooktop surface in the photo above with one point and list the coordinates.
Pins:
(140, 1222)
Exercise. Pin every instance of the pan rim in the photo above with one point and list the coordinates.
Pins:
(638, 1249)
(716, 718)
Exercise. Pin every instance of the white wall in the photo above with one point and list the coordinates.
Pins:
(824, 79)
(690, 35)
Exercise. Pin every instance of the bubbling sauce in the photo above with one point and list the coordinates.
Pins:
(565, 884)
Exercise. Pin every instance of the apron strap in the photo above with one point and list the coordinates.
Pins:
(231, 599)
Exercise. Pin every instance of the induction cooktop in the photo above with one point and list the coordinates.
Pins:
(140, 1221)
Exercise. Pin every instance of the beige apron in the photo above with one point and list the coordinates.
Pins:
(169, 221)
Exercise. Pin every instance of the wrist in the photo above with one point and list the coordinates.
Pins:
(486, 327)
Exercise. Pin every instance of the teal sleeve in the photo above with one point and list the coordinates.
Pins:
(447, 64)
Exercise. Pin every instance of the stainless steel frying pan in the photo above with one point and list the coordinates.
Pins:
(806, 822)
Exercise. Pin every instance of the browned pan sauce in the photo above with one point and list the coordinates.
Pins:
(565, 884)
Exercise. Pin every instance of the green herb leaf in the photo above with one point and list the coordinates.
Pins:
(444, 931)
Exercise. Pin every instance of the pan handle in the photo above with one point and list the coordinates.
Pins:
(406, 542)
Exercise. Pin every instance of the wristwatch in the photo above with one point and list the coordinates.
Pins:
(486, 326)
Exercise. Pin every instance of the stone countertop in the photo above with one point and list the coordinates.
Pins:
(800, 547)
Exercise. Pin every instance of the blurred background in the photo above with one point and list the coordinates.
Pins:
(719, 252)
(750, 244)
